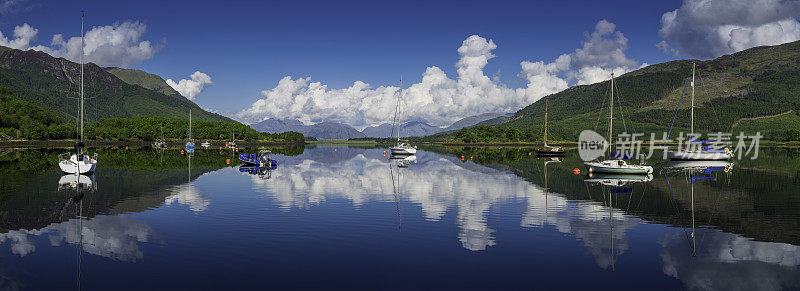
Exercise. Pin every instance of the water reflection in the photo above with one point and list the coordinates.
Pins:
(714, 260)
(704, 226)
(188, 194)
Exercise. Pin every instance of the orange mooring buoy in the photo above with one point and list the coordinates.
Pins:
(576, 171)
(470, 158)
(384, 153)
(228, 161)
(462, 158)
(529, 153)
(181, 151)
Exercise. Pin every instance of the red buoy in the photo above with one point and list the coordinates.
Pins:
(576, 171)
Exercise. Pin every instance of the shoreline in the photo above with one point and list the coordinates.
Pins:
(33, 144)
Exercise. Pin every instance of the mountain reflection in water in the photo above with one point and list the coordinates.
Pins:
(494, 203)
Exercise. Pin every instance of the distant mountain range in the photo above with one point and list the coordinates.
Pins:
(322, 131)
(53, 84)
(334, 131)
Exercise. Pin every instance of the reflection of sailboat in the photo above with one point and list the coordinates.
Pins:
(78, 162)
(618, 165)
(616, 185)
(402, 147)
(546, 189)
(548, 150)
(396, 189)
(696, 170)
(77, 181)
(617, 179)
(404, 161)
(704, 153)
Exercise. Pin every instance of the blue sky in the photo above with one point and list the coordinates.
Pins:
(247, 47)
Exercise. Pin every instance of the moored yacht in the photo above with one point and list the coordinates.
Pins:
(402, 147)
(699, 150)
(615, 166)
(79, 162)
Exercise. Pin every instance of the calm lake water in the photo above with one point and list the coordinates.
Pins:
(348, 217)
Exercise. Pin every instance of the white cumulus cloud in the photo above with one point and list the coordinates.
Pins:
(441, 99)
(438, 98)
(192, 87)
(711, 28)
(23, 36)
(603, 53)
(119, 44)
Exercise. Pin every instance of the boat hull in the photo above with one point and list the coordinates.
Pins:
(403, 151)
(700, 156)
(627, 170)
(79, 168)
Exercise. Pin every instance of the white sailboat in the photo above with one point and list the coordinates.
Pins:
(402, 147)
(78, 163)
(615, 166)
(702, 152)
(190, 143)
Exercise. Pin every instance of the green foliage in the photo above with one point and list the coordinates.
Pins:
(18, 117)
(144, 79)
(54, 85)
(754, 83)
(490, 134)
(149, 129)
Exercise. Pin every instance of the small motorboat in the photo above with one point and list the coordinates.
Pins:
(261, 159)
(205, 144)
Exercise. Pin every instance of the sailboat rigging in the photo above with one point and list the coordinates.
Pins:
(698, 150)
(190, 143)
(548, 150)
(402, 147)
(79, 163)
(615, 165)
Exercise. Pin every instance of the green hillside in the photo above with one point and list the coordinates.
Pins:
(741, 89)
(53, 85)
(144, 79)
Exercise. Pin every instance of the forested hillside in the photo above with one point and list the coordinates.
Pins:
(753, 90)
(53, 84)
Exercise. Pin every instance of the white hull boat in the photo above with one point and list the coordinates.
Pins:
(707, 153)
(77, 163)
(617, 167)
(403, 149)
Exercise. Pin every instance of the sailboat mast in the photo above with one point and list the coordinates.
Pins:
(82, 44)
(545, 122)
(399, 94)
(693, 66)
(611, 114)
(397, 108)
